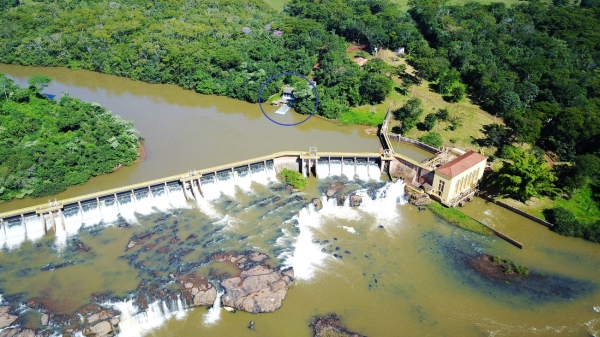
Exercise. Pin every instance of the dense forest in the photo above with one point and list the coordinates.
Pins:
(46, 146)
(225, 47)
(534, 65)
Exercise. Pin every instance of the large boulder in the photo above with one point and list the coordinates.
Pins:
(6, 319)
(341, 199)
(317, 203)
(355, 200)
(334, 188)
(259, 289)
(204, 295)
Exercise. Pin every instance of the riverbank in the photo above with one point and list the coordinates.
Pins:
(458, 219)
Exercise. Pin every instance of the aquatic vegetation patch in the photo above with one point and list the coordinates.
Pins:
(330, 325)
(479, 271)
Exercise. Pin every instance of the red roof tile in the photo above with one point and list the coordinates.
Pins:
(461, 164)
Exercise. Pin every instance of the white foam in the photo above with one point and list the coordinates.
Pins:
(14, 234)
(597, 308)
(322, 169)
(374, 171)
(307, 256)
(335, 168)
(135, 323)
(213, 315)
(259, 174)
(243, 180)
(349, 229)
(362, 171)
(348, 168)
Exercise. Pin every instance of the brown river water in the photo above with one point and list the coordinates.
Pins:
(406, 278)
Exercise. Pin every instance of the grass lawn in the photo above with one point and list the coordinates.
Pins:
(277, 4)
(583, 204)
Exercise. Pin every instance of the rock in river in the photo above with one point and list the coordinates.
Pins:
(317, 203)
(334, 188)
(355, 200)
(6, 319)
(341, 199)
(259, 289)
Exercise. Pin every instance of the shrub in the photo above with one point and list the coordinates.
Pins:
(294, 178)
(432, 138)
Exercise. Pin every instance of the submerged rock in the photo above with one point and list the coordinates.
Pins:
(330, 325)
(259, 289)
(18, 332)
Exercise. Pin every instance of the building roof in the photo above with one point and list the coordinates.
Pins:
(288, 90)
(461, 164)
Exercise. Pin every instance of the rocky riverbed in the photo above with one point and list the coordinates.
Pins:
(257, 287)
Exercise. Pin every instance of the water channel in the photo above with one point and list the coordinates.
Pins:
(403, 272)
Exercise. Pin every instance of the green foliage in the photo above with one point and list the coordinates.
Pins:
(565, 223)
(443, 114)
(508, 266)
(525, 177)
(533, 64)
(457, 93)
(409, 114)
(362, 118)
(432, 138)
(459, 219)
(429, 122)
(496, 135)
(221, 47)
(47, 146)
(294, 178)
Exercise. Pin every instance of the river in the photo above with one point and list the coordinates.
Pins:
(403, 271)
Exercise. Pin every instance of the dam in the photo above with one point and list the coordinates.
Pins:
(210, 183)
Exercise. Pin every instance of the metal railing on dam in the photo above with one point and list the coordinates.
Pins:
(301, 156)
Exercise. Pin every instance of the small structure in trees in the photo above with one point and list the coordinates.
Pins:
(288, 94)
(400, 51)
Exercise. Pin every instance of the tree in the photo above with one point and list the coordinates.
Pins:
(374, 87)
(430, 120)
(432, 138)
(409, 114)
(525, 125)
(525, 177)
(7, 86)
(496, 135)
(507, 101)
(38, 82)
(443, 114)
(457, 93)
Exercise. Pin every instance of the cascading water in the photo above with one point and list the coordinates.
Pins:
(259, 174)
(306, 256)
(226, 183)
(14, 233)
(374, 170)
(135, 323)
(242, 179)
(271, 174)
(210, 191)
(323, 168)
(348, 168)
(214, 314)
(362, 171)
(335, 168)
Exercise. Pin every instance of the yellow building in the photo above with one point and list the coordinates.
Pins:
(457, 179)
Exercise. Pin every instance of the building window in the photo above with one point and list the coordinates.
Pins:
(441, 186)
